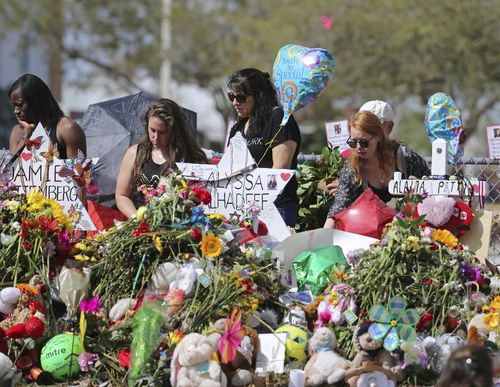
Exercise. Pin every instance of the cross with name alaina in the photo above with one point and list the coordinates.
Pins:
(39, 167)
(236, 181)
(441, 184)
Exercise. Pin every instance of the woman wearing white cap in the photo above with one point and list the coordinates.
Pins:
(372, 162)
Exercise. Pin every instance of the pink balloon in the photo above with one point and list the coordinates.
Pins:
(367, 216)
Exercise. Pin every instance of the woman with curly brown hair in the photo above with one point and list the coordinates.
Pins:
(167, 140)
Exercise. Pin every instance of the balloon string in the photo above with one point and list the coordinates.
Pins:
(270, 144)
(138, 272)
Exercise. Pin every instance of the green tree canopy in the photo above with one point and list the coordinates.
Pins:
(385, 49)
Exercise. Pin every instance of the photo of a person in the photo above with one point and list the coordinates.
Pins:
(497, 132)
(337, 129)
(271, 182)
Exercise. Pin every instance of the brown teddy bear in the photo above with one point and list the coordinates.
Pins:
(371, 354)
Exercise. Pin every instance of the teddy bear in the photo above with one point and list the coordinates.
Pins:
(439, 349)
(239, 371)
(325, 365)
(370, 352)
(192, 364)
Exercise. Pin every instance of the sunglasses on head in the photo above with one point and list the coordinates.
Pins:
(240, 98)
(353, 143)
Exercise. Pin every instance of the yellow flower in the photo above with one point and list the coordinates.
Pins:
(254, 303)
(445, 237)
(59, 214)
(216, 218)
(82, 257)
(141, 211)
(36, 201)
(157, 242)
(81, 246)
(333, 296)
(175, 336)
(211, 246)
(412, 243)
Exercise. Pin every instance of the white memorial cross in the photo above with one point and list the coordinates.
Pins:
(236, 182)
(441, 184)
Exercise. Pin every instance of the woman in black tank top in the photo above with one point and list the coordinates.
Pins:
(33, 103)
(167, 140)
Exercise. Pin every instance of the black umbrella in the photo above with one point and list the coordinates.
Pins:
(111, 127)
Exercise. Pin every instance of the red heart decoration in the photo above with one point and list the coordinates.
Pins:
(367, 216)
(26, 156)
(285, 176)
(475, 187)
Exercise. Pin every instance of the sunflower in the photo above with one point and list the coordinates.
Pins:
(211, 246)
(445, 237)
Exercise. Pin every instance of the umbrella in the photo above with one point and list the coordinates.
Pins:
(111, 128)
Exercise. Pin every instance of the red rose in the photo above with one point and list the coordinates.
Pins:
(27, 246)
(124, 358)
(425, 322)
(16, 331)
(203, 195)
(34, 327)
(24, 363)
(427, 281)
(196, 234)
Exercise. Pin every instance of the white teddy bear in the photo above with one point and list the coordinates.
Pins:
(439, 350)
(192, 365)
(325, 366)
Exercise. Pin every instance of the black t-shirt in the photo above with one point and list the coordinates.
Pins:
(258, 143)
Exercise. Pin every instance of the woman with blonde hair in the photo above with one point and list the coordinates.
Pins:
(372, 162)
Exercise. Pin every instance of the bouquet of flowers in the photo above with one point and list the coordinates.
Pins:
(428, 266)
(314, 203)
(35, 232)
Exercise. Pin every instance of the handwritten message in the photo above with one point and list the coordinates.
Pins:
(493, 136)
(438, 187)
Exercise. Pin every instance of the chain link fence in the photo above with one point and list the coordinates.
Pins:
(482, 169)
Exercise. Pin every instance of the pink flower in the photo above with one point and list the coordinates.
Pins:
(91, 306)
(86, 360)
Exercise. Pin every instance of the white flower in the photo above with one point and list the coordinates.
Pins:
(12, 205)
(16, 226)
(7, 240)
(495, 284)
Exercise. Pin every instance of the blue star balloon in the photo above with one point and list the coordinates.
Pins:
(443, 120)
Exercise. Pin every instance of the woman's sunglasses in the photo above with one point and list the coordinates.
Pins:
(240, 98)
(354, 143)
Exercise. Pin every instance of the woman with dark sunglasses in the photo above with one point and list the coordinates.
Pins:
(372, 162)
(259, 116)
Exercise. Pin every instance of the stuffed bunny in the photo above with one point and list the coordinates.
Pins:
(192, 365)
(325, 366)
